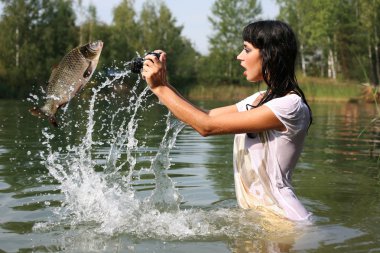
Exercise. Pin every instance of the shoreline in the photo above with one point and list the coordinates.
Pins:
(315, 89)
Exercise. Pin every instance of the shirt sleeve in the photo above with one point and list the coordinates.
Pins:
(290, 110)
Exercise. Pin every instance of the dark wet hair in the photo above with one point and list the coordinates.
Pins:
(278, 48)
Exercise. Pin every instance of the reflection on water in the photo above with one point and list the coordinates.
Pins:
(121, 176)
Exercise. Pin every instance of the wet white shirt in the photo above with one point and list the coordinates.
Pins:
(263, 165)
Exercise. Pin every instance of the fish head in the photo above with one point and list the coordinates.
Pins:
(92, 50)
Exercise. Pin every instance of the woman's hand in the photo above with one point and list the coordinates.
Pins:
(154, 70)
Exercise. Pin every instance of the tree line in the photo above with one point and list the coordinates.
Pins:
(36, 34)
(337, 39)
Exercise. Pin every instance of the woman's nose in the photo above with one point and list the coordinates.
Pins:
(240, 56)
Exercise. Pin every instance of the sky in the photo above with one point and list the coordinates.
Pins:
(191, 14)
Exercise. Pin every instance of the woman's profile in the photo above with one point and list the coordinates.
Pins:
(270, 126)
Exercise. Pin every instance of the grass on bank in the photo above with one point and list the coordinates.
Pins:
(315, 89)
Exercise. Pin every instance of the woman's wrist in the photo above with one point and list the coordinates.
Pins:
(158, 89)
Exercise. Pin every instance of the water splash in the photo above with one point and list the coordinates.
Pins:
(103, 196)
(165, 196)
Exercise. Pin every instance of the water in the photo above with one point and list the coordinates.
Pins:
(123, 175)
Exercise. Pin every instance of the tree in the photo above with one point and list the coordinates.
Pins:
(56, 34)
(368, 11)
(229, 18)
(87, 19)
(34, 34)
(124, 33)
(291, 12)
(15, 28)
(313, 23)
(160, 31)
(349, 38)
(331, 35)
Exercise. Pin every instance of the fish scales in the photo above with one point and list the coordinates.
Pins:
(71, 74)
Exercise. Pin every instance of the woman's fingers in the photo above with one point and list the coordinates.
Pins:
(154, 69)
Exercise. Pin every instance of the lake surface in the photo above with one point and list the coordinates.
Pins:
(121, 175)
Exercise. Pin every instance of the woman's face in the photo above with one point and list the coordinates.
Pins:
(251, 60)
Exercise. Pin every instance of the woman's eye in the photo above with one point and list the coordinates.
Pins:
(247, 50)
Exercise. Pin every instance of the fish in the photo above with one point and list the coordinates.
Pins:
(67, 78)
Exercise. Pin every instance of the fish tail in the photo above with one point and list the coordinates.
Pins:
(53, 121)
(35, 111)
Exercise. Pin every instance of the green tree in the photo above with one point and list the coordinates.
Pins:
(290, 10)
(228, 19)
(123, 41)
(330, 35)
(160, 31)
(87, 28)
(313, 22)
(368, 11)
(91, 29)
(34, 35)
(349, 38)
(15, 27)
(55, 35)
(87, 19)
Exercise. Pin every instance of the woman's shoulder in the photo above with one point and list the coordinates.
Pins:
(290, 100)
(290, 106)
(292, 112)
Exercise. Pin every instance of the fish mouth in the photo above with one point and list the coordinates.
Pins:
(96, 45)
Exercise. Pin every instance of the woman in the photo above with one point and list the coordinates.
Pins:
(269, 126)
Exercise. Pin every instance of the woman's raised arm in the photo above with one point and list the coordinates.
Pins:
(224, 120)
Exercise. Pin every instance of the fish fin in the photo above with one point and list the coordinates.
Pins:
(35, 111)
(53, 121)
(54, 67)
(52, 73)
(88, 71)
